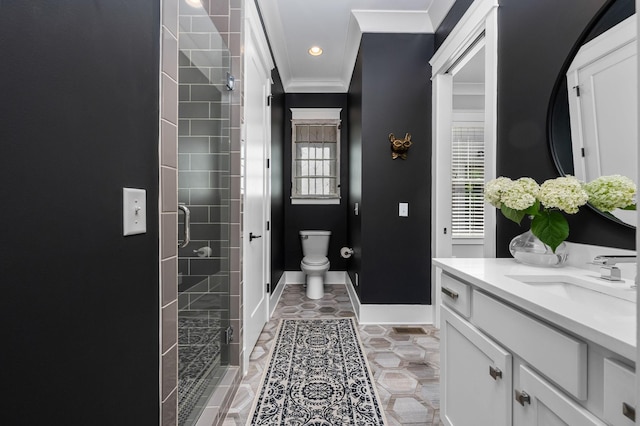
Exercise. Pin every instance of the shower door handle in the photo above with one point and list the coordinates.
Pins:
(187, 225)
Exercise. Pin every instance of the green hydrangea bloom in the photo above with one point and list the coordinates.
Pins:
(564, 193)
(608, 193)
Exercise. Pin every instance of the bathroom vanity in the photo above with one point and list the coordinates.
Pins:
(522, 345)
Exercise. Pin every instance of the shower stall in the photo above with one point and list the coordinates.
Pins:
(204, 201)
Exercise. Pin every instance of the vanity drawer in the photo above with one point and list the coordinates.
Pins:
(619, 393)
(456, 295)
(558, 356)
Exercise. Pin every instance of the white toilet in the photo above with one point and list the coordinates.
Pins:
(315, 246)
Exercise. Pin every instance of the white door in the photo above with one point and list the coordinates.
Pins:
(256, 127)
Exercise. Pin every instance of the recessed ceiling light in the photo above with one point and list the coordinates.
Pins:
(315, 51)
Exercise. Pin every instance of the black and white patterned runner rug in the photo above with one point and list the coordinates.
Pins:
(317, 375)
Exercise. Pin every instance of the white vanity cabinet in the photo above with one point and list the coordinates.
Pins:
(502, 365)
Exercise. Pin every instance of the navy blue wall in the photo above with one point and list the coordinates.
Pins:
(78, 122)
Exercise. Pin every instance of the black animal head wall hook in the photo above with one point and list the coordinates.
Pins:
(399, 147)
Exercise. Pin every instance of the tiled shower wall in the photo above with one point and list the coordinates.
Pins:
(227, 15)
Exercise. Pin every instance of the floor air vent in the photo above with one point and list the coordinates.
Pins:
(409, 330)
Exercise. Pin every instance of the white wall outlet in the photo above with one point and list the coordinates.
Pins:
(403, 209)
(134, 211)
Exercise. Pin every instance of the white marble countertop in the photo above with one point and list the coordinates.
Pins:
(601, 324)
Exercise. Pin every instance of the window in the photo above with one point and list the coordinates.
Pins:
(316, 156)
(467, 181)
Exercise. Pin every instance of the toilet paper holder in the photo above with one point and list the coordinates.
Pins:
(346, 252)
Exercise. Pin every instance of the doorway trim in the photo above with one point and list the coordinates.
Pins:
(480, 21)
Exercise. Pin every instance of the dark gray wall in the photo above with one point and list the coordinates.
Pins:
(277, 181)
(393, 78)
(331, 217)
(354, 264)
(78, 122)
(449, 22)
(535, 39)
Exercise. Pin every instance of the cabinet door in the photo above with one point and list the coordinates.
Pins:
(476, 376)
(538, 403)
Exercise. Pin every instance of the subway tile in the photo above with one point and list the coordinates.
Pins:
(191, 41)
(169, 234)
(193, 144)
(199, 214)
(184, 60)
(185, 25)
(219, 162)
(235, 164)
(170, 410)
(193, 179)
(169, 53)
(203, 197)
(184, 93)
(220, 180)
(184, 127)
(204, 266)
(184, 161)
(170, 15)
(169, 326)
(202, 24)
(169, 144)
(193, 110)
(204, 92)
(169, 99)
(219, 145)
(192, 75)
(183, 196)
(205, 127)
(235, 20)
(169, 372)
(219, 7)
(169, 180)
(220, 214)
(209, 231)
(221, 23)
(169, 280)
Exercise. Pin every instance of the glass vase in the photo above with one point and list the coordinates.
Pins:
(528, 249)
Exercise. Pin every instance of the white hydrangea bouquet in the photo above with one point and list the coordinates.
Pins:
(545, 203)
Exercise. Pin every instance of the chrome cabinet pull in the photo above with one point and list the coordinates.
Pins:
(187, 225)
(523, 397)
(628, 411)
(452, 294)
(496, 373)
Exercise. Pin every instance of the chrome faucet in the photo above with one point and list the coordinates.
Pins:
(608, 269)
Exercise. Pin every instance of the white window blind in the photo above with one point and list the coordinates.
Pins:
(315, 159)
(467, 180)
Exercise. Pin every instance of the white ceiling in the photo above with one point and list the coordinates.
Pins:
(293, 26)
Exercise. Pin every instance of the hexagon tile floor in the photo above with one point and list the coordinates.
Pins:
(406, 367)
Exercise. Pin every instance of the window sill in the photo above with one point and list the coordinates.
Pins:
(315, 200)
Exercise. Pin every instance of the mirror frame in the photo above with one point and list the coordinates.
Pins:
(612, 13)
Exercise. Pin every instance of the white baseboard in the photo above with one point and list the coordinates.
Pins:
(331, 277)
(395, 314)
(353, 296)
(368, 313)
(275, 296)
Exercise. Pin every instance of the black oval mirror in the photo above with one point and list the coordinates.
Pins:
(568, 153)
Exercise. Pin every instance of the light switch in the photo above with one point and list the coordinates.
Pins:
(134, 211)
(403, 209)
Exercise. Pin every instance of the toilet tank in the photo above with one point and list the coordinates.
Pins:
(315, 243)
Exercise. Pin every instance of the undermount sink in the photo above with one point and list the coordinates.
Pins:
(619, 301)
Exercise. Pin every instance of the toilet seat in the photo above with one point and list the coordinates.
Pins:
(315, 261)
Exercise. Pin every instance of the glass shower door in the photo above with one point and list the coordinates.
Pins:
(203, 187)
